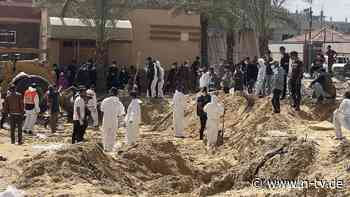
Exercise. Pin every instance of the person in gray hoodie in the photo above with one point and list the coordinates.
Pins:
(277, 87)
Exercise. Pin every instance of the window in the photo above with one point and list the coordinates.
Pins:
(7, 37)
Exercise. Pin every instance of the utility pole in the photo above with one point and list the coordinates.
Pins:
(310, 39)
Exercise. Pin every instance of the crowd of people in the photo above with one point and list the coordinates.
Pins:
(256, 78)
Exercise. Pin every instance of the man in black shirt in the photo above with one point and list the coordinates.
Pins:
(202, 101)
(285, 65)
(54, 107)
(150, 75)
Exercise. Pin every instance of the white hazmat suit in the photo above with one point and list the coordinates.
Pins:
(179, 113)
(160, 80)
(133, 120)
(112, 109)
(32, 114)
(261, 76)
(341, 118)
(92, 106)
(214, 110)
(204, 80)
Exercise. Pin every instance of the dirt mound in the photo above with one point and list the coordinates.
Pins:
(155, 110)
(341, 152)
(154, 168)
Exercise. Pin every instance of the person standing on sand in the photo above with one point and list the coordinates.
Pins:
(53, 107)
(92, 105)
(179, 113)
(112, 110)
(341, 117)
(79, 120)
(214, 110)
(133, 119)
(295, 77)
(202, 101)
(31, 107)
(14, 108)
(277, 87)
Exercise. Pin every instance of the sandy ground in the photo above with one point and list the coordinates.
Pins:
(161, 165)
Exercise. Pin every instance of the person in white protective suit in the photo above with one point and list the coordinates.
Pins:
(154, 81)
(160, 85)
(133, 119)
(214, 110)
(341, 117)
(261, 77)
(179, 113)
(112, 110)
(31, 108)
(204, 80)
(92, 106)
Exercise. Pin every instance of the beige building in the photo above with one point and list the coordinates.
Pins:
(148, 32)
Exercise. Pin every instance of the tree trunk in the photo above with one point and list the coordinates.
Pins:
(230, 42)
(263, 45)
(101, 45)
(204, 38)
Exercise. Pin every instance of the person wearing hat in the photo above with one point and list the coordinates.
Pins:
(14, 108)
(179, 112)
(31, 108)
(133, 119)
(112, 110)
(79, 120)
(92, 105)
(202, 101)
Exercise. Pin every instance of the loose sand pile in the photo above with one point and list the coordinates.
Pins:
(153, 168)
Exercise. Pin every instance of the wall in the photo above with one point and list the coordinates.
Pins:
(54, 53)
(165, 43)
(27, 34)
(120, 52)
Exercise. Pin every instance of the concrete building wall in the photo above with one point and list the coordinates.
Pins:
(169, 38)
(120, 52)
(54, 51)
(27, 34)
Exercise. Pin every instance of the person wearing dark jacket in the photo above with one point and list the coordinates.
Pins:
(123, 77)
(194, 71)
(323, 86)
(285, 65)
(150, 75)
(296, 75)
(277, 87)
(14, 107)
(202, 101)
(268, 76)
(252, 74)
(170, 81)
(53, 106)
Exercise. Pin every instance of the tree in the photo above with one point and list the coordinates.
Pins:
(261, 14)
